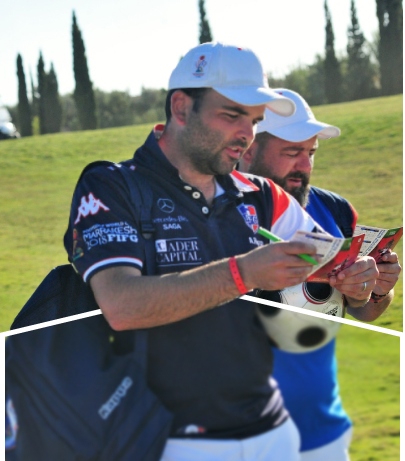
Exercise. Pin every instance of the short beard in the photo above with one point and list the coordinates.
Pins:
(299, 193)
(203, 146)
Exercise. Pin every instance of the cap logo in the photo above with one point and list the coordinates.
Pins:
(199, 66)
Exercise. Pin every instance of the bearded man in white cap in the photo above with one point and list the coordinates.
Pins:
(284, 151)
(209, 360)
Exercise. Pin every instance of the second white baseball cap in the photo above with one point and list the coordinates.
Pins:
(300, 126)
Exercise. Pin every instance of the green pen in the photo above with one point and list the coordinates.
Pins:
(265, 233)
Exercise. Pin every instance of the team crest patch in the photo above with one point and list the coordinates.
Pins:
(249, 214)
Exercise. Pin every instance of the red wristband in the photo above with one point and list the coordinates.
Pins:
(237, 278)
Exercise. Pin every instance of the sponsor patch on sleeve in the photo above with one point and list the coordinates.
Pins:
(101, 234)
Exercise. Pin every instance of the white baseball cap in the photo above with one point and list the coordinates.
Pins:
(300, 126)
(233, 72)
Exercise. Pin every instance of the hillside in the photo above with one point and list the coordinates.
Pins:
(38, 175)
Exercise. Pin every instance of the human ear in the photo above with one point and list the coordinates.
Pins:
(180, 106)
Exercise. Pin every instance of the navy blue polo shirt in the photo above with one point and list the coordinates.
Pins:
(212, 370)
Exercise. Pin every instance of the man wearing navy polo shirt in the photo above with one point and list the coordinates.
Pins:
(209, 360)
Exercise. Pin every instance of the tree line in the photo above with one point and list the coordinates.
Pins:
(365, 70)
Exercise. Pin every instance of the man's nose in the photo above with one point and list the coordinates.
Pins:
(304, 163)
(247, 131)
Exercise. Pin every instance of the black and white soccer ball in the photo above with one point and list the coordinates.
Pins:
(296, 332)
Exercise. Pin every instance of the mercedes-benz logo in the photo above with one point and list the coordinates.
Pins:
(166, 205)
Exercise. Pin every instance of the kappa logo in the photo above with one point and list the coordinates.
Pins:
(249, 214)
(90, 205)
(112, 403)
(165, 205)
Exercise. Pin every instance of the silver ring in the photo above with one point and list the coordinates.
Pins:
(364, 286)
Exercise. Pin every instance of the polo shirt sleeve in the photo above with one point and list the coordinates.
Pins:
(102, 230)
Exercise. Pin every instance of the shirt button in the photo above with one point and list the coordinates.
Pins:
(187, 187)
(196, 195)
(205, 210)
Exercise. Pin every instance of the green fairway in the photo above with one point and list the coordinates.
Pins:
(368, 370)
(364, 164)
(38, 176)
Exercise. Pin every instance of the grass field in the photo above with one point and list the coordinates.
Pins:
(38, 175)
(369, 379)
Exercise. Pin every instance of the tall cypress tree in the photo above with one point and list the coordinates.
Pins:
(24, 110)
(205, 31)
(390, 49)
(333, 74)
(34, 98)
(53, 104)
(41, 77)
(47, 95)
(360, 73)
(83, 93)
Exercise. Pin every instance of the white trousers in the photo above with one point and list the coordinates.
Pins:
(279, 444)
(338, 450)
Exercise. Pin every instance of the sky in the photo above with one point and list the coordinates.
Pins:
(132, 44)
